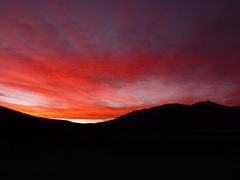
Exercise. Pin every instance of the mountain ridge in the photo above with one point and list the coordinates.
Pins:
(199, 116)
(205, 115)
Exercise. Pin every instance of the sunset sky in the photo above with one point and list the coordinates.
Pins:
(93, 60)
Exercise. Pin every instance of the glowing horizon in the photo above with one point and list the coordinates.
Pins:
(84, 121)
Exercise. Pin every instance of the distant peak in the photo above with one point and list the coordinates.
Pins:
(206, 103)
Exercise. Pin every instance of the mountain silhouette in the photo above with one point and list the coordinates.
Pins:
(171, 141)
(16, 125)
(202, 116)
(174, 119)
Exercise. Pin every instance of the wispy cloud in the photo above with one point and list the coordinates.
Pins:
(92, 59)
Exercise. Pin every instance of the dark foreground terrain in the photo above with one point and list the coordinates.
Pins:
(172, 141)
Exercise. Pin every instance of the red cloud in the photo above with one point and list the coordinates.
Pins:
(63, 59)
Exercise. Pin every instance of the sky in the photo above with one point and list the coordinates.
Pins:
(92, 60)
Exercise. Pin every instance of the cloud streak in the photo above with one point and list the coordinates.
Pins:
(92, 60)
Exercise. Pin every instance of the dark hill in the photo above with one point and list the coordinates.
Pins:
(19, 126)
(146, 123)
(202, 116)
(173, 141)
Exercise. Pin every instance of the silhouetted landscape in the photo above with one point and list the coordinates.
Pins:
(172, 141)
(110, 89)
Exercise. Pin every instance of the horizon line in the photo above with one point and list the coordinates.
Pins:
(83, 121)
